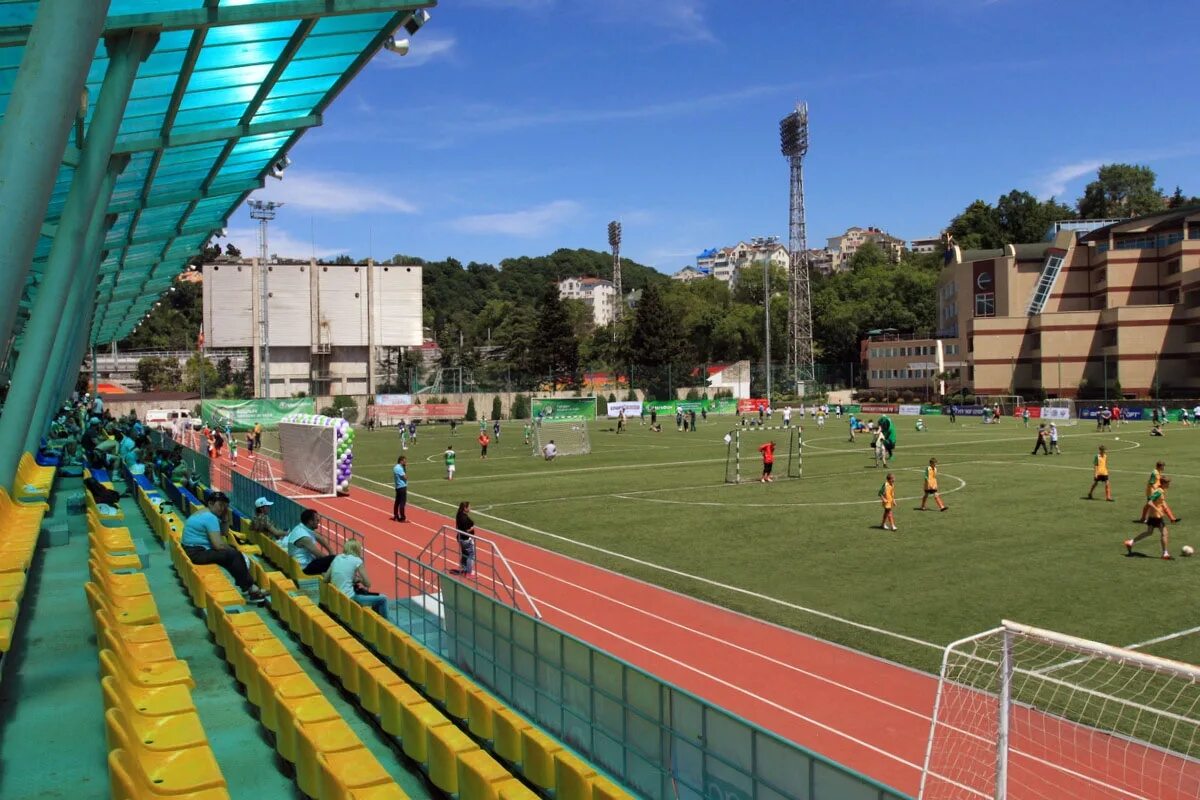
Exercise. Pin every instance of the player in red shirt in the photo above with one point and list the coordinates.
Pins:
(768, 457)
(484, 441)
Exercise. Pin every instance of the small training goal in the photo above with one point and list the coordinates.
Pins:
(1009, 403)
(1060, 411)
(569, 438)
(1033, 714)
(743, 458)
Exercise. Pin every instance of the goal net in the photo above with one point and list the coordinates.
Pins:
(308, 458)
(570, 438)
(1030, 714)
(1009, 403)
(1060, 411)
(743, 461)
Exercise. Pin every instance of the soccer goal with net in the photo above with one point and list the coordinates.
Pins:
(743, 460)
(309, 458)
(1033, 714)
(1008, 403)
(1060, 411)
(570, 438)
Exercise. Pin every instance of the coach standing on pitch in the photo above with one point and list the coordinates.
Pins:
(400, 480)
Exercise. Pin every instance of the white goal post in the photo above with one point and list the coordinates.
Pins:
(1060, 411)
(1031, 714)
(570, 438)
(308, 456)
(788, 457)
(1008, 403)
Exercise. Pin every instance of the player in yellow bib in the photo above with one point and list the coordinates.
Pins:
(931, 486)
(887, 496)
(1152, 483)
(1160, 512)
(1100, 474)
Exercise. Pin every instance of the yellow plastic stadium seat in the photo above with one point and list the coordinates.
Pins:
(153, 674)
(12, 587)
(278, 706)
(537, 758)
(480, 708)
(416, 720)
(372, 683)
(392, 700)
(435, 676)
(152, 652)
(414, 662)
(170, 771)
(318, 739)
(138, 634)
(118, 586)
(517, 791)
(165, 702)
(294, 716)
(480, 777)
(115, 541)
(604, 789)
(384, 791)
(444, 744)
(572, 777)
(176, 732)
(507, 727)
(128, 782)
(345, 772)
(126, 611)
(6, 633)
(458, 688)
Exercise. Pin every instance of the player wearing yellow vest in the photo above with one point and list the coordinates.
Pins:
(1100, 474)
(1159, 513)
(931, 486)
(1152, 483)
(887, 496)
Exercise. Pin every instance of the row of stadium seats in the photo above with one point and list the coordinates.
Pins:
(157, 744)
(453, 762)
(20, 526)
(33, 482)
(524, 748)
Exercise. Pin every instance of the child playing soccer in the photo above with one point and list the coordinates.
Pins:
(1151, 484)
(1155, 521)
(528, 433)
(931, 486)
(1100, 474)
(449, 457)
(887, 495)
(768, 457)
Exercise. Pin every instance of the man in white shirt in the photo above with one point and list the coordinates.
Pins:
(550, 450)
(304, 545)
(787, 416)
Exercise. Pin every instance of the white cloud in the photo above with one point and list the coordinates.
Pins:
(334, 193)
(1054, 183)
(422, 49)
(279, 242)
(535, 221)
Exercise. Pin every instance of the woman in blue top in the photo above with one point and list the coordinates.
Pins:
(204, 542)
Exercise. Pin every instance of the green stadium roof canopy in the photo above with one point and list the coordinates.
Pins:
(227, 90)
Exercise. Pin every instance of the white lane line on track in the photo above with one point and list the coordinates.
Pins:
(681, 574)
(639, 610)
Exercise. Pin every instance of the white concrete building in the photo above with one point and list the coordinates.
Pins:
(596, 292)
(688, 274)
(325, 323)
(929, 244)
(724, 262)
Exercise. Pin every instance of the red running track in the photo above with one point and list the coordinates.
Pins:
(865, 713)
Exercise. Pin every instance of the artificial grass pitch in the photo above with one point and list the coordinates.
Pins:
(1019, 540)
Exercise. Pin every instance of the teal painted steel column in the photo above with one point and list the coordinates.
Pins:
(126, 52)
(33, 136)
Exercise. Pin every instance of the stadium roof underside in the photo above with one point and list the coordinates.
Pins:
(217, 91)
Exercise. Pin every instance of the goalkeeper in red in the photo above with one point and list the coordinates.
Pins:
(768, 457)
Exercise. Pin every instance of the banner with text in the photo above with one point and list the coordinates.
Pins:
(241, 415)
(550, 409)
(632, 408)
(909, 410)
(751, 405)
(965, 411)
(393, 413)
(879, 408)
(393, 399)
(931, 410)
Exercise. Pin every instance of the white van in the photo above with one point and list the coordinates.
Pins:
(160, 418)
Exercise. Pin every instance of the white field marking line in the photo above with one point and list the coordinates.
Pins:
(809, 443)
(673, 623)
(557, 473)
(689, 576)
(962, 484)
(790, 712)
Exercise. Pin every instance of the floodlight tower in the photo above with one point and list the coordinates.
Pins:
(793, 139)
(614, 241)
(264, 212)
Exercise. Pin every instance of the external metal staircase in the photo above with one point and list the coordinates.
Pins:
(1046, 281)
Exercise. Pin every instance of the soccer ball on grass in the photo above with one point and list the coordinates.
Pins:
(1188, 550)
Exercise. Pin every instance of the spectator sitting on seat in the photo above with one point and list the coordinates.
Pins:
(261, 521)
(204, 542)
(304, 545)
(347, 575)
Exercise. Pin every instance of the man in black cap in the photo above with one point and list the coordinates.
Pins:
(204, 542)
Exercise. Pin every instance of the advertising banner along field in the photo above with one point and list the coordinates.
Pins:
(717, 405)
(241, 415)
(552, 409)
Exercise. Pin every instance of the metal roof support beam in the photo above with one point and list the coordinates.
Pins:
(126, 53)
(187, 195)
(219, 134)
(34, 132)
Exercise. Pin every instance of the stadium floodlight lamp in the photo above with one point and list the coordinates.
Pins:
(221, 234)
(414, 23)
(278, 167)
(397, 46)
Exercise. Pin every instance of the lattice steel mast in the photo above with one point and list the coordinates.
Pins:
(264, 212)
(614, 241)
(793, 139)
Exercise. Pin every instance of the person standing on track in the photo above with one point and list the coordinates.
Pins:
(466, 540)
(931, 486)
(768, 459)
(400, 481)
(887, 496)
(449, 457)
(1155, 520)
(1100, 474)
(258, 436)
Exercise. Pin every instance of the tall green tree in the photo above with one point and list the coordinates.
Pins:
(1121, 190)
(977, 227)
(192, 371)
(658, 342)
(557, 354)
(157, 374)
(1024, 218)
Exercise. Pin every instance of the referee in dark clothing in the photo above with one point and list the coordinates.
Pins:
(400, 479)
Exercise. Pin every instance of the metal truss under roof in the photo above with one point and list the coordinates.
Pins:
(229, 87)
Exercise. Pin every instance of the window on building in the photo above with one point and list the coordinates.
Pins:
(1173, 266)
(1172, 296)
(1101, 275)
(985, 305)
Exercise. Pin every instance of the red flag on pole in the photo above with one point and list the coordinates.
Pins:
(200, 340)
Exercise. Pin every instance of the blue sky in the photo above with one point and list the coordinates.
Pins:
(515, 127)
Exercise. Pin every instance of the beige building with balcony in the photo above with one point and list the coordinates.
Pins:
(843, 247)
(1115, 307)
